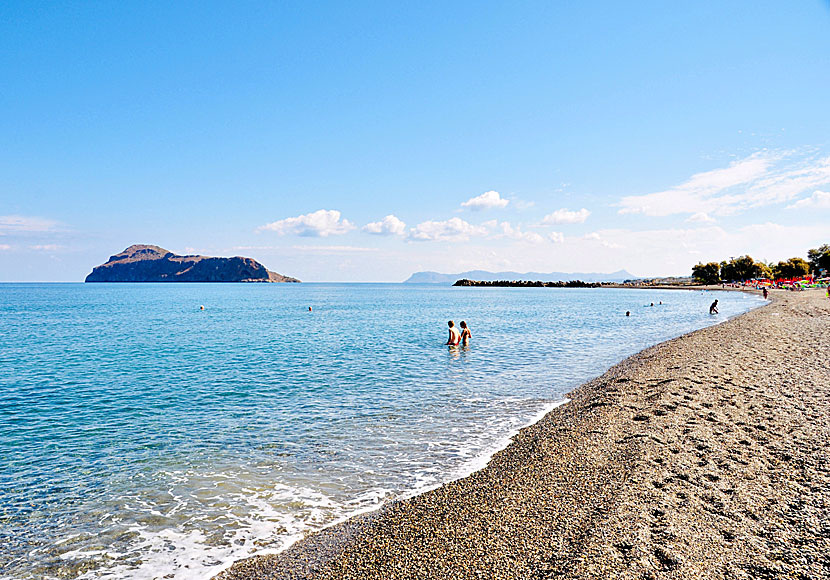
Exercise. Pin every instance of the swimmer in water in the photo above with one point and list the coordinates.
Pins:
(628, 313)
(455, 336)
(465, 333)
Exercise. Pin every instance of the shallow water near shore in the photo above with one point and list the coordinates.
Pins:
(141, 436)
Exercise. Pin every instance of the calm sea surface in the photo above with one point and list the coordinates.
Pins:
(141, 436)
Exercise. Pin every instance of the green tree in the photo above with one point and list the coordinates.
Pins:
(727, 272)
(792, 268)
(763, 270)
(742, 268)
(706, 273)
(819, 259)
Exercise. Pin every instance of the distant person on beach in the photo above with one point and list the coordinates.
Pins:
(465, 333)
(765, 293)
(455, 336)
(713, 309)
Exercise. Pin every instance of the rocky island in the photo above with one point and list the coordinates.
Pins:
(147, 263)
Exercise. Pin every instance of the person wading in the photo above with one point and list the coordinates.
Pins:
(455, 336)
(465, 333)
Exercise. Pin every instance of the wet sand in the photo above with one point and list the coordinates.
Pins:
(707, 456)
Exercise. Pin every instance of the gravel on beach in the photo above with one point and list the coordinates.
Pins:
(707, 456)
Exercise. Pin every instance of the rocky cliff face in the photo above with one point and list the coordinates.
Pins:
(144, 263)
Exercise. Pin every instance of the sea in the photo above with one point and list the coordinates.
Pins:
(144, 437)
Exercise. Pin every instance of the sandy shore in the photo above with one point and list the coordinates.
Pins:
(707, 456)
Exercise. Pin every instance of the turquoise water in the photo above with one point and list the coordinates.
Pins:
(141, 436)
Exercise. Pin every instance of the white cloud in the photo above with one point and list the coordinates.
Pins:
(388, 226)
(487, 200)
(764, 178)
(458, 230)
(556, 237)
(653, 252)
(564, 216)
(45, 247)
(701, 217)
(321, 223)
(5, 247)
(508, 231)
(333, 249)
(19, 223)
(454, 229)
(596, 237)
(674, 251)
(819, 199)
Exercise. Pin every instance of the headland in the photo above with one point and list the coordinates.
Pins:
(706, 456)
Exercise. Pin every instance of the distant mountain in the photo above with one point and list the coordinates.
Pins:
(146, 263)
(437, 278)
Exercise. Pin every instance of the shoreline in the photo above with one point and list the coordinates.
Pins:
(575, 494)
(354, 520)
(368, 513)
(353, 548)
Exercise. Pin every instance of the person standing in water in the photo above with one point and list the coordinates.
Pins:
(713, 309)
(455, 336)
(465, 334)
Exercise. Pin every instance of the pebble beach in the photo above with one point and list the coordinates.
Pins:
(706, 456)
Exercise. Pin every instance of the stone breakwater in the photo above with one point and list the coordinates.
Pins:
(707, 456)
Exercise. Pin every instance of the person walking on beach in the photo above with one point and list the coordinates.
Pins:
(465, 334)
(455, 336)
(713, 309)
(766, 293)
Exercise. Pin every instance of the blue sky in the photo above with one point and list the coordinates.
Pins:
(524, 136)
